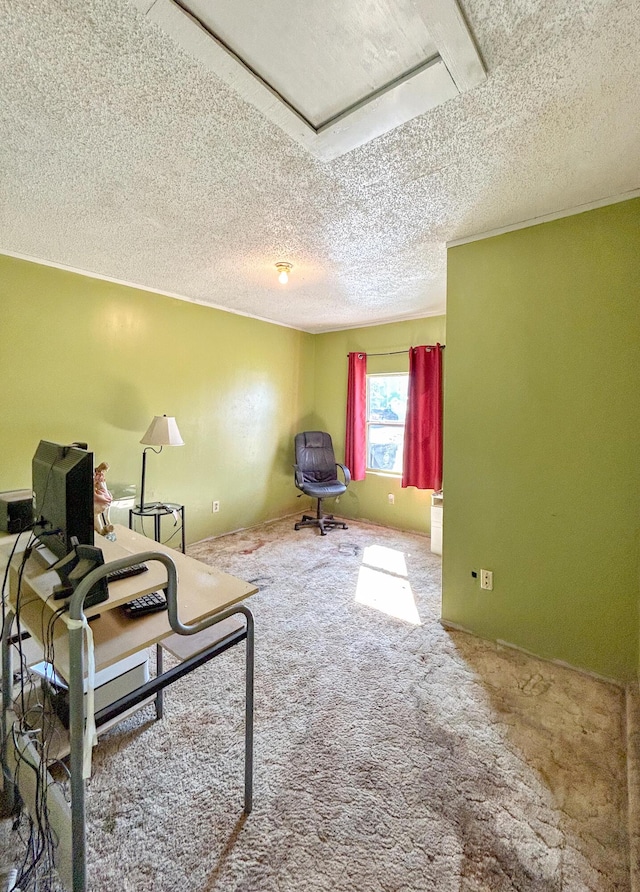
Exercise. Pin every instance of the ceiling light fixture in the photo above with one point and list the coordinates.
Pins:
(283, 271)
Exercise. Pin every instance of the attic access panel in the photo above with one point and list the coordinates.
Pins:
(331, 74)
(322, 57)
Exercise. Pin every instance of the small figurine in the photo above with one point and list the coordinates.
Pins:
(102, 499)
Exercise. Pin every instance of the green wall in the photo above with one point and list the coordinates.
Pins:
(542, 419)
(84, 359)
(368, 498)
(542, 438)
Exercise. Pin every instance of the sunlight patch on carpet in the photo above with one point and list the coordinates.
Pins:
(382, 558)
(382, 584)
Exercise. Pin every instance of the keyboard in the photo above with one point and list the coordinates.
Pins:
(125, 572)
(145, 604)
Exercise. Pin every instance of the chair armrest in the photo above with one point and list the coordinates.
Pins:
(346, 472)
(299, 476)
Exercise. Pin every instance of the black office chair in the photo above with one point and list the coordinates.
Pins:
(317, 476)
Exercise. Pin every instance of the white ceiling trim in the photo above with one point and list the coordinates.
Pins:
(102, 278)
(411, 317)
(4, 252)
(456, 69)
(546, 218)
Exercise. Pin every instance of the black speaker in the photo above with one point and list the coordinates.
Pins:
(16, 510)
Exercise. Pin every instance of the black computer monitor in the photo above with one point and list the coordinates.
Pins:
(62, 478)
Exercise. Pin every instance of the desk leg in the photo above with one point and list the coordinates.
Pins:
(76, 733)
(248, 726)
(159, 672)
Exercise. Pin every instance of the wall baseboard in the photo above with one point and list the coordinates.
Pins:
(500, 643)
(254, 526)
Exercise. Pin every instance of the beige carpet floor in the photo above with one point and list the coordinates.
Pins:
(390, 754)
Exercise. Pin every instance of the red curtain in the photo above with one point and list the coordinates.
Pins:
(422, 466)
(355, 457)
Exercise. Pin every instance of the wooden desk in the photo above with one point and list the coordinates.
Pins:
(207, 597)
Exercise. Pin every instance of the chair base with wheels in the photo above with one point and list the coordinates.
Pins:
(323, 521)
(316, 476)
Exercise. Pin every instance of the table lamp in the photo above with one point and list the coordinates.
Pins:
(163, 431)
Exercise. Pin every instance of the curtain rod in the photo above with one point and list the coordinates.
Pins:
(392, 352)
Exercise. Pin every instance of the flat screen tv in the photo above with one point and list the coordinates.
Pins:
(62, 478)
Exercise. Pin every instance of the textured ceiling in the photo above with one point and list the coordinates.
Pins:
(122, 156)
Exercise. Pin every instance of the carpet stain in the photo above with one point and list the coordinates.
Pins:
(253, 548)
(261, 581)
(535, 685)
(322, 565)
(389, 756)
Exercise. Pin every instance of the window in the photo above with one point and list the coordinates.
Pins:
(386, 413)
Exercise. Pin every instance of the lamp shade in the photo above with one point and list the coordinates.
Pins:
(163, 431)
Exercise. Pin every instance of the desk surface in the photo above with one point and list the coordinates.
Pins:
(202, 591)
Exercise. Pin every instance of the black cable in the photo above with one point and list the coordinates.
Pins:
(39, 835)
(39, 850)
(6, 576)
(173, 535)
(176, 524)
(23, 563)
(36, 508)
(41, 843)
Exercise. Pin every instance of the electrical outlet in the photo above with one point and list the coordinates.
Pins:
(486, 579)
(215, 507)
(391, 498)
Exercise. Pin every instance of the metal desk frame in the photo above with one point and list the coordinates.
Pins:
(155, 686)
